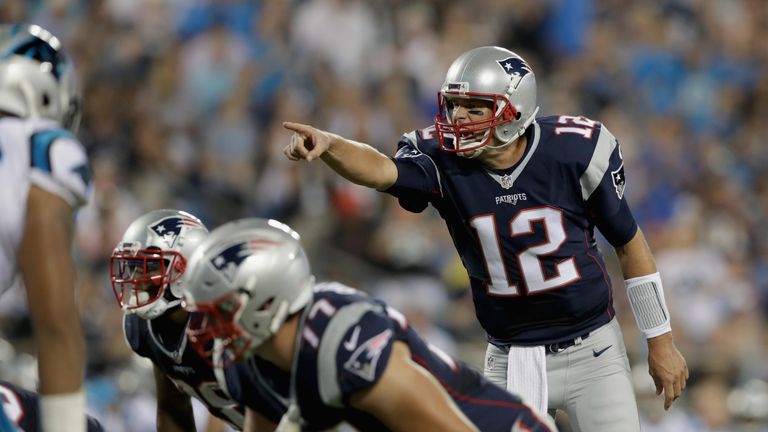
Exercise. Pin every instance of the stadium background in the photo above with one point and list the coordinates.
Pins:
(183, 101)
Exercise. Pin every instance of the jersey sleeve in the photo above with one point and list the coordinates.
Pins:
(602, 186)
(417, 176)
(353, 352)
(59, 165)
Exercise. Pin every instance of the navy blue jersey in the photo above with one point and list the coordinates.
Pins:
(22, 409)
(181, 364)
(345, 343)
(526, 234)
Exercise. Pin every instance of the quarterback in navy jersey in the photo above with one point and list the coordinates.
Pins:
(145, 270)
(521, 197)
(22, 409)
(336, 354)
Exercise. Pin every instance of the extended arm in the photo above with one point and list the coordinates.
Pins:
(407, 398)
(666, 365)
(255, 422)
(355, 161)
(174, 407)
(50, 285)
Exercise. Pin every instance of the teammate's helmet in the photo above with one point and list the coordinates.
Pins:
(244, 281)
(37, 79)
(496, 75)
(147, 265)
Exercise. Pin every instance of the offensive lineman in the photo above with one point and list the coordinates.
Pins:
(336, 353)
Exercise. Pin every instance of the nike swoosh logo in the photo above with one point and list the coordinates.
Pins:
(352, 342)
(596, 353)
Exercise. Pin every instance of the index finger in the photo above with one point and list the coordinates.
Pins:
(298, 127)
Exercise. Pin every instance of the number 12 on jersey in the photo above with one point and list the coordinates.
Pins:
(528, 259)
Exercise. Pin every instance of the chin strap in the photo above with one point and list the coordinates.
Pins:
(646, 296)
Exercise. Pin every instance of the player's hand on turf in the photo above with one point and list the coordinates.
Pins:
(306, 142)
(667, 368)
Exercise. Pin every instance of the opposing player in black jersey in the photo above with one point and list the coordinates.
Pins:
(20, 408)
(146, 269)
(521, 197)
(336, 354)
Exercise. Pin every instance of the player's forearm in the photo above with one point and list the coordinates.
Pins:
(176, 420)
(645, 290)
(635, 257)
(174, 408)
(61, 347)
(360, 163)
(255, 422)
(393, 401)
(51, 293)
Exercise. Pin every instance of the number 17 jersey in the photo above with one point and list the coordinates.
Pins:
(525, 234)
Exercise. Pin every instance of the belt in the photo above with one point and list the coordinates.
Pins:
(557, 347)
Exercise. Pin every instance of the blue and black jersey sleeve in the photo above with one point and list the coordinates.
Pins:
(354, 352)
(603, 184)
(418, 179)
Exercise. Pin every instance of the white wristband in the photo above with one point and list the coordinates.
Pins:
(646, 296)
(63, 412)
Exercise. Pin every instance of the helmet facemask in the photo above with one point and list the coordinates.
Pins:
(496, 75)
(214, 331)
(147, 265)
(469, 139)
(141, 279)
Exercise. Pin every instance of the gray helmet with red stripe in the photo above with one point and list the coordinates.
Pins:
(245, 280)
(493, 74)
(147, 264)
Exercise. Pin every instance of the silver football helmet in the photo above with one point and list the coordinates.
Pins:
(37, 79)
(147, 265)
(243, 282)
(496, 75)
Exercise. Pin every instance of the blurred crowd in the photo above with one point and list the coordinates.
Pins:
(183, 104)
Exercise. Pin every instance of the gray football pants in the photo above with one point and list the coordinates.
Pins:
(589, 382)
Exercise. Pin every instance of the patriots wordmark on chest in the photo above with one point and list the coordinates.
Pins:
(511, 198)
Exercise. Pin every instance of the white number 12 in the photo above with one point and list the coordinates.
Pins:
(528, 259)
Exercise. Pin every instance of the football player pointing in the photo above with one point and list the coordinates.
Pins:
(44, 178)
(521, 197)
(334, 353)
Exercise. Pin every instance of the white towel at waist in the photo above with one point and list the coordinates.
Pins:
(527, 375)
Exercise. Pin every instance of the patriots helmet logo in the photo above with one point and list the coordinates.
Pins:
(364, 359)
(619, 181)
(515, 66)
(169, 228)
(228, 260)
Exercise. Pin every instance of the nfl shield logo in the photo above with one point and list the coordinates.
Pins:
(506, 181)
